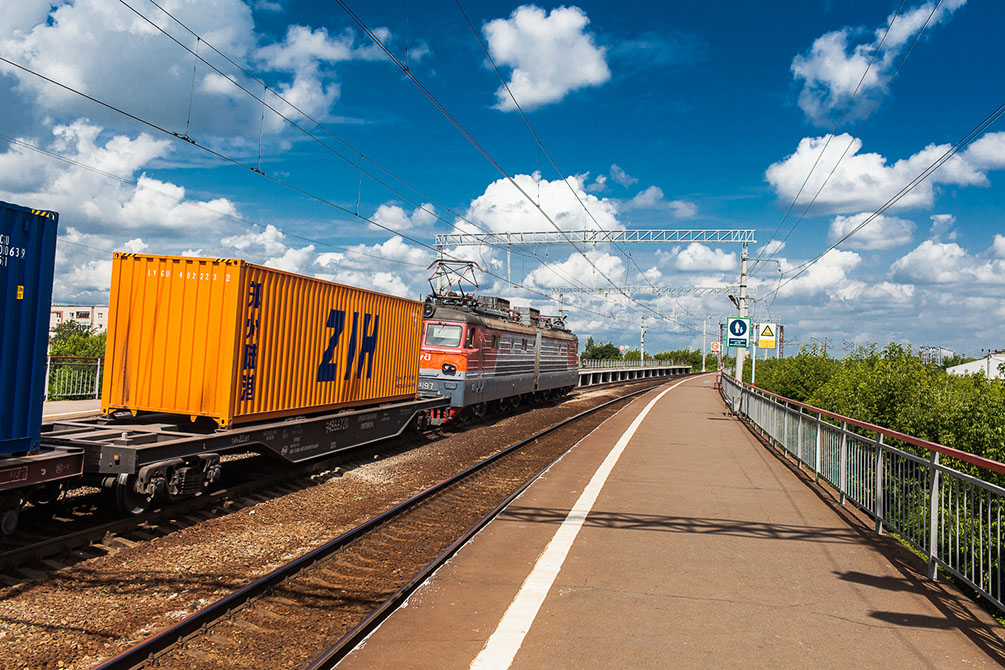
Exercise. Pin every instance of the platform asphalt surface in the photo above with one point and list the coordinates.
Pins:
(56, 410)
(703, 549)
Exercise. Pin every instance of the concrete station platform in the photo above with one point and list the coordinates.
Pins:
(703, 549)
(57, 410)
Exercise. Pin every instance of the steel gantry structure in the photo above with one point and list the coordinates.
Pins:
(599, 236)
(657, 290)
(596, 236)
(655, 236)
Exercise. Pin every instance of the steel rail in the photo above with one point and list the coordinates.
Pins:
(150, 648)
(344, 646)
(17, 556)
(95, 534)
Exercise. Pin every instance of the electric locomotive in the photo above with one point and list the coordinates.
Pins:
(484, 355)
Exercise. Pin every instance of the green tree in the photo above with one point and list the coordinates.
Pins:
(76, 339)
(690, 357)
(955, 359)
(604, 351)
(797, 377)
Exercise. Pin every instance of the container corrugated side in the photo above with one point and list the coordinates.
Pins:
(27, 257)
(240, 342)
(171, 336)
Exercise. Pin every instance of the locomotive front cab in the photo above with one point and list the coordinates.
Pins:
(443, 363)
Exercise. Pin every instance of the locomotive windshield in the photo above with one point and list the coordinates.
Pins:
(440, 335)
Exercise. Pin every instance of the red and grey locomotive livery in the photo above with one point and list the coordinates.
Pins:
(483, 355)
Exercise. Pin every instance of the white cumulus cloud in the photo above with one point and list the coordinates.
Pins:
(396, 218)
(622, 177)
(839, 60)
(830, 276)
(942, 226)
(653, 198)
(864, 181)
(503, 208)
(883, 232)
(550, 54)
(697, 257)
(82, 44)
(934, 262)
(578, 267)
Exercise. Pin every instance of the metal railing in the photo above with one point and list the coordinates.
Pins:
(72, 377)
(609, 363)
(953, 518)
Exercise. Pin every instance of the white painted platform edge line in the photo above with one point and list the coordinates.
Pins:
(502, 646)
(82, 412)
(428, 583)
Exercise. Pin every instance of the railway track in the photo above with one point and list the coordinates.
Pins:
(85, 527)
(313, 610)
(88, 528)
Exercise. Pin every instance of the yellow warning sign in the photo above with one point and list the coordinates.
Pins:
(766, 335)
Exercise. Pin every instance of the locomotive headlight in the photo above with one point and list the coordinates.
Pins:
(449, 368)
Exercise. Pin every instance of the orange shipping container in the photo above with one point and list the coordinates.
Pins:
(241, 342)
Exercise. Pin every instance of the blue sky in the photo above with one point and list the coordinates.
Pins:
(660, 115)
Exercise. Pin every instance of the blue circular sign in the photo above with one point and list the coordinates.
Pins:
(738, 328)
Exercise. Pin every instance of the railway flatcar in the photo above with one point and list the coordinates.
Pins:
(483, 355)
(209, 356)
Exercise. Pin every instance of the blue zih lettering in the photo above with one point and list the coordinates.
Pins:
(368, 345)
(250, 356)
(350, 353)
(328, 368)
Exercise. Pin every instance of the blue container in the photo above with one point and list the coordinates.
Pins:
(27, 257)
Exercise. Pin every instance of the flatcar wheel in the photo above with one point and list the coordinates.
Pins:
(8, 522)
(129, 501)
(46, 495)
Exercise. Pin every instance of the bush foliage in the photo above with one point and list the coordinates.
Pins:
(893, 388)
(75, 339)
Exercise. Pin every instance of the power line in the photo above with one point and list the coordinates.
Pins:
(928, 171)
(200, 205)
(195, 54)
(830, 136)
(275, 180)
(318, 124)
(859, 129)
(443, 110)
(537, 138)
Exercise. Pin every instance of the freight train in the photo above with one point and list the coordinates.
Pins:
(209, 356)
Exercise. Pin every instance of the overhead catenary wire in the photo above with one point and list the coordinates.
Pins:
(276, 180)
(419, 206)
(827, 142)
(443, 110)
(537, 139)
(834, 168)
(349, 161)
(928, 171)
(541, 148)
(171, 196)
